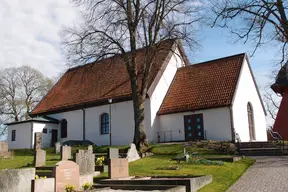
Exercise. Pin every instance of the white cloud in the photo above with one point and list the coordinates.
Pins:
(29, 33)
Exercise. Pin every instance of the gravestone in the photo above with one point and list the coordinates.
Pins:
(4, 153)
(132, 154)
(16, 180)
(66, 172)
(3, 147)
(57, 147)
(118, 168)
(90, 148)
(66, 153)
(37, 140)
(86, 161)
(113, 153)
(40, 158)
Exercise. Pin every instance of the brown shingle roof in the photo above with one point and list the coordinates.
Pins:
(206, 85)
(94, 84)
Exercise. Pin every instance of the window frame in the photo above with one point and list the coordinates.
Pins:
(13, 135)
(104, 124)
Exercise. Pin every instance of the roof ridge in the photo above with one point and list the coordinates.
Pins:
(218, 59)
(112, 57)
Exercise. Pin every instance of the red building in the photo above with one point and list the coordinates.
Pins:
(281, 87)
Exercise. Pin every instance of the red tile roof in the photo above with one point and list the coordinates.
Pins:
(206, 85)
(94, 84)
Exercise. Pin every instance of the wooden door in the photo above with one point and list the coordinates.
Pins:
(54, 137)
(193, 125)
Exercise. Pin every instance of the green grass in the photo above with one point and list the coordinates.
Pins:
(223, 176)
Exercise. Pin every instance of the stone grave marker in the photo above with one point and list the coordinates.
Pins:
(37, 140)
(3, 147)
(40, 158)
(132, 154)
(118, 168)
(113, 153)
(90, 148)
(66, 153)
(86, 161)
(4, 153)
(57, 147)
(66, 172)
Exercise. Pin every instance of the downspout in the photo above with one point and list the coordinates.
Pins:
(232, 124)
(31, 143)
(84, 129)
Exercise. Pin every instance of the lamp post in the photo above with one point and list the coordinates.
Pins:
(110, 134)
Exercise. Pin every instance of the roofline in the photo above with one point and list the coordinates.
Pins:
(175, 46)
(83, 106)
(220, 58)
(193, 110)
(255, 84)
(31, 120)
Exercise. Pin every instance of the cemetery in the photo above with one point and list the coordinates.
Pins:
(74, 168)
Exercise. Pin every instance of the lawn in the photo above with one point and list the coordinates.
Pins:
(223, 176)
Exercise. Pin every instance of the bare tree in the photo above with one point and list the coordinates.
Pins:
(20, 89)
(271, 102)
(120, 27)
(265, 20)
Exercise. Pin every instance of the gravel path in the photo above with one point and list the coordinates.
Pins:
(268, 174)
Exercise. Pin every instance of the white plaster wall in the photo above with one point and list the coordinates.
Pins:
(247, 92)
(74, 124)
(216, 122)
(122, 124)
(23, 136)
(159, 94)
(46, 137)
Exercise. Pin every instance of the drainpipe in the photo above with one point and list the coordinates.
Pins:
(232, 124)
(31, 143)
(84, 130)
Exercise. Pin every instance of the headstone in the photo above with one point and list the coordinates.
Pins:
(37, 140)
(43, 185)
(132, 154)
(4, 153)
(57, 147)
(86, 178)
(90, 148)
(66, 172)
(113, 153)
(66, 153)
(118, 168)
(40, 158)
(3, 147)
(86, 161)
(15, 180)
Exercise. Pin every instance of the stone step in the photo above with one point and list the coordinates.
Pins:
(260, 151)
(171, 188)
(258, 145)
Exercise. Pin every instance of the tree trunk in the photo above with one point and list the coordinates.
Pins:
(140, 137)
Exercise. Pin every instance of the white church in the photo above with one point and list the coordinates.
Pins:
(213, 100)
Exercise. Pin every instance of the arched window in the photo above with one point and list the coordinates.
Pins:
(251, 121)
(104, 123)
(63, 125)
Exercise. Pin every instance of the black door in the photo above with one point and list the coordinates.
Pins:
(193, 125)
(54, 137)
